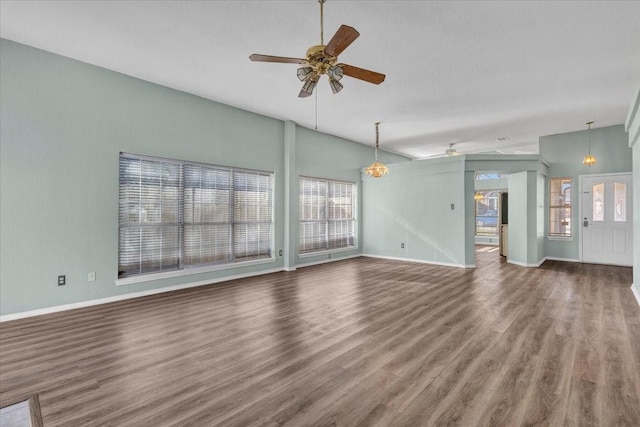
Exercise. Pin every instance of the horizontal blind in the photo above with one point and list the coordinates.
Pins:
(207, 215)
(175, 214)
(252, 215)
(149, 216)
(327, 217)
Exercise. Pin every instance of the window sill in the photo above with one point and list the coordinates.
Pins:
(190, 271)
(560, 239)
(328, 251)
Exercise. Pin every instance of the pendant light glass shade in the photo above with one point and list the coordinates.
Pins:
(304, 73)
(377, 169)
(589, 159)
(478, 196)
(336, 86)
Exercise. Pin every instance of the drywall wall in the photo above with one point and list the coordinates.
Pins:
(417, 212)
(320, 155)
(564, 154)
(63, 124)
(632, 126)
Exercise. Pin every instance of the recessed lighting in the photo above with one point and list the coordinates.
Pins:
(502, 139)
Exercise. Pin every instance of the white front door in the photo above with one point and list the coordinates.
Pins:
(607, 219)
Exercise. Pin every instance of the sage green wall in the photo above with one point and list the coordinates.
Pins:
(412, 205)
(564, 153)
(63, 124)
(324, 156)
(632, 126)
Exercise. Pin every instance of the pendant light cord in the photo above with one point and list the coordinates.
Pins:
(316, 108)
(377, 139)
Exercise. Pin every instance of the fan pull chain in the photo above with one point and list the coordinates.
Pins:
(321, 21)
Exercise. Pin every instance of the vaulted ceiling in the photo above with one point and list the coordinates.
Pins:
(463, 73)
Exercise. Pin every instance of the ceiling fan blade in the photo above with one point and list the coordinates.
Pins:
(341, 40)
(268, 58)
(362, 74)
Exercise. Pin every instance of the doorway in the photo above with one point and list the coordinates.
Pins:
(606, 219)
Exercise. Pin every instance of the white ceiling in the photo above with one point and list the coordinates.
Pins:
(457, 72)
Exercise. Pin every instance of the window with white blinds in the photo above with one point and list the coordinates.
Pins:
(327, 215)
(174, 215)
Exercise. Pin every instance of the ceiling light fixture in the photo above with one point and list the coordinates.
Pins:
(304, 73)
(377, 169)
(323, 59)
(336, 86)
(589, 159)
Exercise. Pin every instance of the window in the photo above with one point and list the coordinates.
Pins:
(174, 215)
(327, 215)
(487, 213)
(560, 207)
(620, 201)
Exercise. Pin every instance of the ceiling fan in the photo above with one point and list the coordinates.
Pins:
(448, 152)
(323, 59)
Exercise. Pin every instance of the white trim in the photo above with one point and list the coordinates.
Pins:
(555, 258)
(328, 252)
(89, 303)
(559, 239)
(635, 294)
(524, 264)
(422, 261)
(189, 271)
(324, 261)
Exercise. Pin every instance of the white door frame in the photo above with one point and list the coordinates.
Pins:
(580, 198)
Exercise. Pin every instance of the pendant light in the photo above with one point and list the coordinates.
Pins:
(589, 159)
(478, 196)
(377, 169)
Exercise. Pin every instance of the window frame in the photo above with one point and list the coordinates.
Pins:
(326, 221)
(184, 268)
(567, 235)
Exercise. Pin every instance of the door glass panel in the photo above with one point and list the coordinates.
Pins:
(598, 202)
(620, 201)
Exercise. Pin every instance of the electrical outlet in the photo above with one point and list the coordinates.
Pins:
(453, 206)
(91, 277)
(62, 280)
(329, 255)
(401, 245)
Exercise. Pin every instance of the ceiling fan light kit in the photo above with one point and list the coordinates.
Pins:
(323, 59)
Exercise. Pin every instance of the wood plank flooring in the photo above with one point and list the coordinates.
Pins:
(360, 342)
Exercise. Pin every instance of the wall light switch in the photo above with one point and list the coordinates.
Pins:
(91, 277)
(453, 206)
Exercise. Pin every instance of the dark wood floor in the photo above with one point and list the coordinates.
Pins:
(357, 342)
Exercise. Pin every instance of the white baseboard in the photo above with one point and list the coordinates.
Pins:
(89, 303)
(553, 258)
(524, 264)
(444, 264)
(324, 261)
(635, 294)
